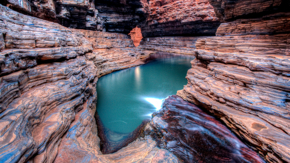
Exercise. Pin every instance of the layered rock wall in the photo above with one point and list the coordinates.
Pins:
(48, 81)
(157, 18)
(121, 16)
(41, 9)
(242, 74)
(228, 10)
(112, 16)
(48, 73)
(180, 18)
(177, 45)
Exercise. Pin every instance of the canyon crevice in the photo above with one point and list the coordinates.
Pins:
(53, 52)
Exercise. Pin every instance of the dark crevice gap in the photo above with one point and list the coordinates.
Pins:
(4, 2)
(108, 145)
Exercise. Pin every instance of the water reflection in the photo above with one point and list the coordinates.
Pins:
(157, 103)
(137, 77)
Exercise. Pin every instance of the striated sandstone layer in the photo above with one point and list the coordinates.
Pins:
(277, 23)
(244, 80)
(157, 17)
(177, 45)
(48, 91)
(177, 18)
(41, 9)
(228, 10)
(70, 13)
(48, 73)
(113, 16)
(121, 16)
(242, 75)
(194, 136)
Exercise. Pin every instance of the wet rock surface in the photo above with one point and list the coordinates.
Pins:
(194, 136)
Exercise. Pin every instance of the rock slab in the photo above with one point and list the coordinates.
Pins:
(194, 136)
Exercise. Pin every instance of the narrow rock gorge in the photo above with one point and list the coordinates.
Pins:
(234, 108)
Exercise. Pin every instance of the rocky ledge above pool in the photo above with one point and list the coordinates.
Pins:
(194, 136)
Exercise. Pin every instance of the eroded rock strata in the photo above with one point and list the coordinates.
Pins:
(48, 94)
(180, 18)
(121, 15)
(156, 17)
(102, 15)
(48, 77)
(242, 75)
(194, 136)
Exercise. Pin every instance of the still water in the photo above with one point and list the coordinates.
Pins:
(127, 97)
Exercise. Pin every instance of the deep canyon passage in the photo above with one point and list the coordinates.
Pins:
(76, 85)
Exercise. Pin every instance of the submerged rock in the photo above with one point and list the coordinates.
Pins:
(113, 141)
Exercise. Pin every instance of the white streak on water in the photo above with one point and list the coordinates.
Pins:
(157, 103)
(118, 121)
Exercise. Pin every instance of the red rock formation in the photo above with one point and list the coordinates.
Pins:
(186, 11)
(179, 45)
(242, 75)
(114, 16)
(48, 74)
(136, 36)
(194, 136)
(229, 9)
(48, 93)
(157, 18)
(41, 9)
(121, 15)
(189, 17)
